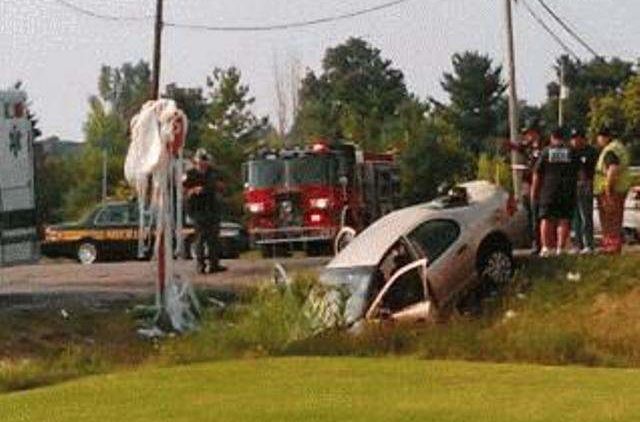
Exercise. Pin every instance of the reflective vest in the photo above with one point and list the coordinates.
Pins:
(624, 179)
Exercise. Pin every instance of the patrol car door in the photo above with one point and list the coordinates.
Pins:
(116, 232)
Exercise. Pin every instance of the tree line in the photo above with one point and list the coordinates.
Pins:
(358, 96)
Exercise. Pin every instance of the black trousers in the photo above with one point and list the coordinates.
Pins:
(207, 234)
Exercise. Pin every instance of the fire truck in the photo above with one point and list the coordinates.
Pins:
(302, 198)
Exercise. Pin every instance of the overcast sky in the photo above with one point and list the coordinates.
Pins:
(57, 53)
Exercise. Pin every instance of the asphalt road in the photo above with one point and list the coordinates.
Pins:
(59, 283)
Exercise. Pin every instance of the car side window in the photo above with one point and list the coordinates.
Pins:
(434, 237)
(406, 291)
(113, 215)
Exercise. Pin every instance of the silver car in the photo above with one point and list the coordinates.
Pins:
(415, 262)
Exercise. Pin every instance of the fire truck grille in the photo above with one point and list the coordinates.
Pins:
(289, 212)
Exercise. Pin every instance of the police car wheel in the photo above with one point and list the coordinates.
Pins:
(87, 253)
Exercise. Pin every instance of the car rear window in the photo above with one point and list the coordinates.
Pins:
(434, 237)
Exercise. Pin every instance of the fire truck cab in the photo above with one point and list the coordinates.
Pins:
(299, 199)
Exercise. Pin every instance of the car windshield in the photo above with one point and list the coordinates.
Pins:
(357, 283)
(312, 170)
(264, 173)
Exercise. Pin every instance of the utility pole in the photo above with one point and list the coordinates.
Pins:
(561, 97)
(157, 50)
(517, 159)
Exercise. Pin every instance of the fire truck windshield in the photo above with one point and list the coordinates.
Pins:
(264, 173)
(312, 170)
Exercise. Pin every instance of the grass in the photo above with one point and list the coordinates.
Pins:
(328, 389)
(568, 311)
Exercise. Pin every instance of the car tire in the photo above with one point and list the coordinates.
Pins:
(496, 265)
(87, 252)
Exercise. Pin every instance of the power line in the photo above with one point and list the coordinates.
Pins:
(102, 16)
(538, 19)
(568, 28)
(238, 28)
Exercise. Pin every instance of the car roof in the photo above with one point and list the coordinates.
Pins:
(369, 247)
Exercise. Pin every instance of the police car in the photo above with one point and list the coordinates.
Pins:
(110, 231)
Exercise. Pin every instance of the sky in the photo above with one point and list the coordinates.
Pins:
(57, 53)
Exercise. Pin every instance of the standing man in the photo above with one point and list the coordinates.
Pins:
(612, 182)
(554, 189)
(531, 149)
(586, 158)
(202, 186)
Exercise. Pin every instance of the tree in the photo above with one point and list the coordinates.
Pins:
(586, 82)
(122, 91)
(353, 98)
(433, 157)
(476, 99)
(194, 105)
(230, 129)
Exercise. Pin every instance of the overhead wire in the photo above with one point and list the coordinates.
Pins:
(237, 28)
(546, 27)
(567, 28)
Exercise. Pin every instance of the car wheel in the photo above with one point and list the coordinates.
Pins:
(630, 236)
(87, 252)
(496, 266)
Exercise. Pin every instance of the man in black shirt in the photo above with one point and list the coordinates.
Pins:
(554, 189)
(201, 188)
(586, 159)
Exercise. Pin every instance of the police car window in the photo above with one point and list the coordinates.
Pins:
(111, 215)
(434, 237)
(407, 290)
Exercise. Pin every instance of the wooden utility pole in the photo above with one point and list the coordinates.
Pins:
(517, 159)
(157, 50)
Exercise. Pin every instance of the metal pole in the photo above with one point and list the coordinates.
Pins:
(561, 97)
(104, 174)
(157, 51)
(517, 159)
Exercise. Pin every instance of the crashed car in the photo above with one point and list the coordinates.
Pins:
(415, 262)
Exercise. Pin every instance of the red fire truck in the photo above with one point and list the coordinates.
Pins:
(300, 199)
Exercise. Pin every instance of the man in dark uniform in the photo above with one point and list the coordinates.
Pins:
(202, 185)
(554, 189)
(587, 157)
(531, 148)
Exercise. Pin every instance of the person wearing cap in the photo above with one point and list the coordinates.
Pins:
(586, 158)
(201, 186)
(531, 148)
(554, 190)
(611, 184)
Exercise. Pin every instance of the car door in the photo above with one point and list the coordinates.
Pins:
(404, 297)
(450, 258)
(115, 230)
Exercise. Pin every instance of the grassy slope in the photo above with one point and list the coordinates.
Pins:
(337, 388)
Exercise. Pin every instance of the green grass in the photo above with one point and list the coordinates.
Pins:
(329, 389)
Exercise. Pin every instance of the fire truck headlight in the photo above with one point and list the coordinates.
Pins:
(320, 203)
(316, 218)
(255, 207)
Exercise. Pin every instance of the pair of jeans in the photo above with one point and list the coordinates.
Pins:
(532, 209)
(583, 217)
(207, 234)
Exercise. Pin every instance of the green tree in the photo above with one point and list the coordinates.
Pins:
(355, 96)
(122, 91)
(476, 101)
(432, 157)
(194, 105)
(230, 130)
(586, 82)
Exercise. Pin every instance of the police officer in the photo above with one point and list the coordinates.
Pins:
(554, 189)
(587, 157)
(611, 184)
(202, 186)
(531, 148)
